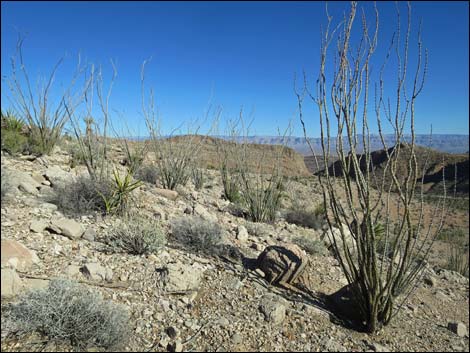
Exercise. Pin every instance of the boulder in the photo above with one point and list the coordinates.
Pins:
(67, 227)
(273, 309)
(38, 225)
(178, 277)
(96, 272)
(11, 283)
(242, 233)
(169, 194)
(56, 174)
(17, 256)
(29, 188)
(458, 328)
(204, 214)
(282, 264)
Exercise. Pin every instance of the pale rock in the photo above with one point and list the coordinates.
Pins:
(182, 277)
(169, 194)
(17, 255)
(242, 233)
(67, 227)
(273, 310)
(38, 225)
(204, 214)
(30, 189)
(11, 283)
(458, 328)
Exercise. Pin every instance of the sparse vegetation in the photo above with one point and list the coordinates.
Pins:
(303, 217)
(197, 176)
(311, 246)
(341, 95)
(136, 235)
(13, 137)
(67, 311)
(117, 201)
(82, 195)
(197, 234)
(147, 173)
(458, 258)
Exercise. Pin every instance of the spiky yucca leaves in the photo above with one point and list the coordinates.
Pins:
(123, 186)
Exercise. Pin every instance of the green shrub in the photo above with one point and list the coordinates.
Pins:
(262, 199)
(458, 258)
(14, 142)
(197, 176)
(67, 311)
(230, 182)
(117, 202)
(136, 235)
(197, 234)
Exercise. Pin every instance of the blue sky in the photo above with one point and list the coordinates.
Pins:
(238, 53)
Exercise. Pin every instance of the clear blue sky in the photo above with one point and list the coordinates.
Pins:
(243, 53)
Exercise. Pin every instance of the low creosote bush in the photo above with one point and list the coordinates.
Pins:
(67, 311)
(82, 195)
(136, 235)
(197, 234)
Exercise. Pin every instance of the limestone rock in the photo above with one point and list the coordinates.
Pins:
(204, 214)
(29, 188)
(11, 283)
(55, 174)
(169, 194)
(242, 233)
(16, 255)
(458, 328)
(96, 272)
(38, 225)
(181, 277)
(282, 263)
(67, 227)
(273, 310)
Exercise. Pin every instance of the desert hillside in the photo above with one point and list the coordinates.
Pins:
(190, 296)
(433, 166)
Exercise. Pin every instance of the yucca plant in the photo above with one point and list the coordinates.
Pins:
(117, 202)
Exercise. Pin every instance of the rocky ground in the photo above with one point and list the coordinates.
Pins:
(182, 301)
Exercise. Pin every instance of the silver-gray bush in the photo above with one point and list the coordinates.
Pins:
(67, 311)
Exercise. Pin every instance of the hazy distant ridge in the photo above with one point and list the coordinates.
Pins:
(442, 142)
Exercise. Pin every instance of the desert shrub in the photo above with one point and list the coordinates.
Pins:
(262, 199)
(81, 195)
(311, 246)
(304, 218)
(12, 134)
(67, 311)
(197, 234)
(197, 176)
(136, 235)
(147, 173)
(458, 258)
(457, 250)
(134, 155)
(230, 182)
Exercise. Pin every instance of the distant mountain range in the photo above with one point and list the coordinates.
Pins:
(441, 142)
